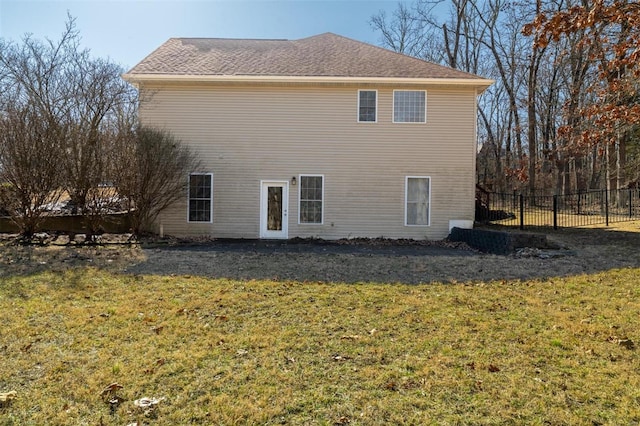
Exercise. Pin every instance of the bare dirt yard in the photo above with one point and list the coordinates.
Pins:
(580, 251)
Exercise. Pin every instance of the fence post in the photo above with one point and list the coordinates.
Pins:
(606, 207)
(555, 212)
(630, 204)
(521, 211)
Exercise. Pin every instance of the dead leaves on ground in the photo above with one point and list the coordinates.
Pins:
(625, 342)
(159, 363)
(110, 391)
(392, 386)
(7, 397)
(145, 405)
(350, 337)
(148, 406)
(157, 329)
(110, 396)
(340, 358)
(344, 420)
(493, 369)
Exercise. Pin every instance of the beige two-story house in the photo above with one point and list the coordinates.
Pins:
(321, 137)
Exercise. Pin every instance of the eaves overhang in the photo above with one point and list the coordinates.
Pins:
(136, 78)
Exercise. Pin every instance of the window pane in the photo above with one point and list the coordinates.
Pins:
(311, 199)
(310, 212)
(200, 198)
(411, 214)
(200, 211)
(305, 212)
(199, 186)
(194, 181)
(367, 105)
(317, 212)
(417, 201)
(274, 208)
(409, 106)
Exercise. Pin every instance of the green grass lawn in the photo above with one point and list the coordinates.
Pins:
(225, 352)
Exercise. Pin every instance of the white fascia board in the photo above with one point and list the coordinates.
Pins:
(158, 78)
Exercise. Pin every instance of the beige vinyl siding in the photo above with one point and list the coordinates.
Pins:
(247, 134)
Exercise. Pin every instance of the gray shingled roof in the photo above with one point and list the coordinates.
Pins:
(324, 55)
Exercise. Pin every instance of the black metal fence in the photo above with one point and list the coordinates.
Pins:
(559, 211)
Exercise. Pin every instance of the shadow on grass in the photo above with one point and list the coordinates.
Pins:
(377, 260)
(584, 251)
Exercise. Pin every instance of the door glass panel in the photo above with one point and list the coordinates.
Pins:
(417, 201)
(274, 208)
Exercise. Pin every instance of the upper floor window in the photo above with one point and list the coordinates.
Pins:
(409, 106)
(311, 196)
(367, 106)
(200, 197)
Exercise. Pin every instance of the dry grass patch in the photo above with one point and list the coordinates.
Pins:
(561, 351)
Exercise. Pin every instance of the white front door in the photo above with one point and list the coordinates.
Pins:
(274, 207)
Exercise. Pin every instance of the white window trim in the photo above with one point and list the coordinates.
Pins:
(358, 111)
(406, 199)
(300, 200)
(393, 109)
(189, 198)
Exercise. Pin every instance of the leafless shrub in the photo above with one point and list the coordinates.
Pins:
(31, 133)
(153, 174)
(29, 154)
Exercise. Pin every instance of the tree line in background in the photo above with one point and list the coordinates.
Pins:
(564, 113)
(69, 131)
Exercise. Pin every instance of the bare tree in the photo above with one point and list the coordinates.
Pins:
(100, 94)
(97, 87)
(531, 121)
(33, 100)
(403, 32)
(60, 111)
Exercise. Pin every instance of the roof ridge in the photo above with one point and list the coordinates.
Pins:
(229, 39)
(403, 55)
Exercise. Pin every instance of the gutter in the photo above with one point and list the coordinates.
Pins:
(136, 79)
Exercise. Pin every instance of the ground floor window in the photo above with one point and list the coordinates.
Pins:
(417, 200)
(311, 199)
(200, 197)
